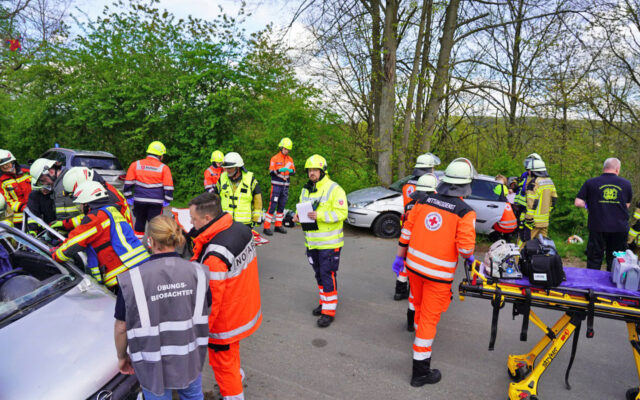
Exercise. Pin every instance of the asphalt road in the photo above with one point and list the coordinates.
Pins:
(366, 352)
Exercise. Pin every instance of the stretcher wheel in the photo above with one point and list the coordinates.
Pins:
(632, 394)
(520, 374)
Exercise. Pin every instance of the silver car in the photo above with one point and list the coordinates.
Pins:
(56, 328)
(380, 208)
(106, 164)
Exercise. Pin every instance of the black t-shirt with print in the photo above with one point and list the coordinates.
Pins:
(607, 196)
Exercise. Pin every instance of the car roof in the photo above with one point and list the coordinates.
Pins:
(94, 153)
(482, 177)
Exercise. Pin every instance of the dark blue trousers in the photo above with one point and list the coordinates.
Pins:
(325, 264)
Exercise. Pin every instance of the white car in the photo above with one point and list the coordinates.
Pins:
(380, 208)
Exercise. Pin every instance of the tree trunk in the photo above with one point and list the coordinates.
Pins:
(442, 73)
(388, 92)
(408, 112)
(513, 136)
(424, 74)
(376, 75)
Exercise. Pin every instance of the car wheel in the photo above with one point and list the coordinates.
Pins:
(387, 226)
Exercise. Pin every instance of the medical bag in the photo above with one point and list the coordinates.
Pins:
(625, 272)
(541, 263)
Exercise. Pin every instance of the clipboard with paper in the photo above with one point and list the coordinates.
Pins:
(303, 210)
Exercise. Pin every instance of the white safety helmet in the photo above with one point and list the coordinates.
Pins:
(75, 177)
(40, 167)
(538, 165)
(89, 192)
(427, 160)
(427, 183)
(459, 172)
(232, 160)
(529, 160)
(6, 157)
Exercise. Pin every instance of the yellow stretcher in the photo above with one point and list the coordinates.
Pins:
(577, 305)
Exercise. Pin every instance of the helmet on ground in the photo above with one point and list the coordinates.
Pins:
(40, 167)
(88, 192)
(6, 157)
(217, 156)
(538, 166)
(75, 177)
(459, 172)
(316, 161)
(530, 158)
(156, 148)
(427, 183)
(232, 160)
(286, 143)
(427, 160)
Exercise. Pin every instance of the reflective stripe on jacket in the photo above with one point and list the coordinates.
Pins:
(167, 321)
(407, 189)
(149, 181)
(227, 248)
(439, 228)
(211, 177)
(237, 198)
(332, 209)
(508, 222)
(541, 198)
(65, 207)
(112, 238)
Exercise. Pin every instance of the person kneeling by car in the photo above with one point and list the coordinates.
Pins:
(166, 290)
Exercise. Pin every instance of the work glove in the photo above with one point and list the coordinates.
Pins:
(130, 201)
(469, 261)
(398, 265)
(528, 222)
(165, 204)
(59, 224)
(53, 253)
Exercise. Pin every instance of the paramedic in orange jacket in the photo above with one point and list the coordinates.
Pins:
(227, 248)
(439, 229)
(424, 165)
(212, 174)
(281, 169)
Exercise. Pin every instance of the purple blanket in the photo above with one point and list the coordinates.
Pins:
(583, 278)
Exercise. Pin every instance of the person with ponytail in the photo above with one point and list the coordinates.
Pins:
(162, 314)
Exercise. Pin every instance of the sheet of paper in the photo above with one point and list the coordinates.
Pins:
(303, 210)
(182, 217)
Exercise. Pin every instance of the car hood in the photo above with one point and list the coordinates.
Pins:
(63, 350)
(371, 194)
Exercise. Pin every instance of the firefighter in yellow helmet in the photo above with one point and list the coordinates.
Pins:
(149, 186)
(212, 174)
(323, 236)
(281, 168)
(240, 193)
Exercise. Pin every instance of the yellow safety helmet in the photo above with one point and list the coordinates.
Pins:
(217, 156)
(316, 161)
(459, 172)
(427, 183)
(156, 148)
(286, 143)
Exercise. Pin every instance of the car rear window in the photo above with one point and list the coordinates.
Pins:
(96, 162)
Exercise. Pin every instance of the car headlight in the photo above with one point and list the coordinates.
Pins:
(361, 204)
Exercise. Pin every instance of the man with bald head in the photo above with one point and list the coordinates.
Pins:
(607, 199)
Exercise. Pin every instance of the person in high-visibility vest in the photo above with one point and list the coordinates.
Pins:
(425, 163)
(520, 199)
(212, 174)
(541, 199)
(149, 185)
(324, 238)
(15, 183)
(239, 191)
(440, 228)
(426, 185)
(281, 168)
(103, 233)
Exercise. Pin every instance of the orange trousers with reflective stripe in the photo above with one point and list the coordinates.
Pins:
(226, 368)
(430, 300)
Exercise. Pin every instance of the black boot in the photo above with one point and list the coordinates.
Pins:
(280, 229)
(325, 320)
(410, 317)
(402, 290)
(423, 374)
(317, 311)
(267, 232)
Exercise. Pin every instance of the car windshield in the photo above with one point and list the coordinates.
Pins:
(96, 162)
(28, 276)
(397, 185)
